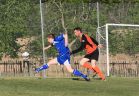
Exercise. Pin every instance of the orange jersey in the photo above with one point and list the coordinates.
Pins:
(87, 43)
(90, 47)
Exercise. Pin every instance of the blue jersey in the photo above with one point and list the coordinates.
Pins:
(59, 43)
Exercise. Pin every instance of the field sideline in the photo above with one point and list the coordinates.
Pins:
(67, 87)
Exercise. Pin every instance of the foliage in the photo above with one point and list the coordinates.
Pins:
(124, 41)
(14, 18)
(21, 18)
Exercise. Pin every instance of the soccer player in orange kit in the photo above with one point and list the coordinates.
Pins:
(91, 46)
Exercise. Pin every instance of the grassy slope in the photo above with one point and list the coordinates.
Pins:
(68, 87)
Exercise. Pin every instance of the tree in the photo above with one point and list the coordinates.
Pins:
(14, 18)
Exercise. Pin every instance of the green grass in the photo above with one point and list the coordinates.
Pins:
(67, 87)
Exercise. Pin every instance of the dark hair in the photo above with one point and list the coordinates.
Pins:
(51, 36)
(78, 28)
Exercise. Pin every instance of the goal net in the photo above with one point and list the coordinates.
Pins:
(119, 40)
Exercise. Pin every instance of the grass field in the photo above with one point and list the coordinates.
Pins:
(67, 87)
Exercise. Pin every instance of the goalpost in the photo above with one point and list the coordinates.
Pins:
(103, 33)
(42, 34)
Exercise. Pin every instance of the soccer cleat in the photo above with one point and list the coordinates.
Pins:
(86, 78)
(104, 79)
(35, 69)
(94, 75)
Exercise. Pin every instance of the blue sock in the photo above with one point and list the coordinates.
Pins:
(45, 66)
(78, 73)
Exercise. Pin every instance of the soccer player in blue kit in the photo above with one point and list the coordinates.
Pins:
(61, 44)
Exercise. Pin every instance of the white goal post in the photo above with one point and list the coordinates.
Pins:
(103, 37)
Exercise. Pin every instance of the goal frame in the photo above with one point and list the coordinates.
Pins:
(107, 25)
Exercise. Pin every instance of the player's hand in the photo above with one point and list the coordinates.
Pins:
(100, 46)
(47, 47)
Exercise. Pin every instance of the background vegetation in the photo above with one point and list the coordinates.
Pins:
(21, 18)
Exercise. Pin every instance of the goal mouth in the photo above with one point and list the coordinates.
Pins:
(116, 39)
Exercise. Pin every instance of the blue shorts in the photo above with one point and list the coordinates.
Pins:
(62, 58)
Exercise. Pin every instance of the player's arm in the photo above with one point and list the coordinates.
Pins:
(66, 39)
(82, 46)
(94, 40)
(49, 46)
(99, 45)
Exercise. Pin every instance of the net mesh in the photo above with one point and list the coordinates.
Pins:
(123, 44)
(101, 37)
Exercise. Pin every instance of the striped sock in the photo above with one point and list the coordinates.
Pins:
(45, 66)
(78, 73)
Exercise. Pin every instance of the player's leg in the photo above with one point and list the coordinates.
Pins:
(46, 66)
(75, 71)
(98, 71)
(84, 62)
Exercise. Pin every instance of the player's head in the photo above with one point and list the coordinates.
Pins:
(77, 31)
(50, 38)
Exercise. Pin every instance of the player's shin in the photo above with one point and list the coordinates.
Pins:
(87, 65)
(45, 66)
(101, 75)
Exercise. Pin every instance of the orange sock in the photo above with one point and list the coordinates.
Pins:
(95, 69)
(87, 65)
(101, 75)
